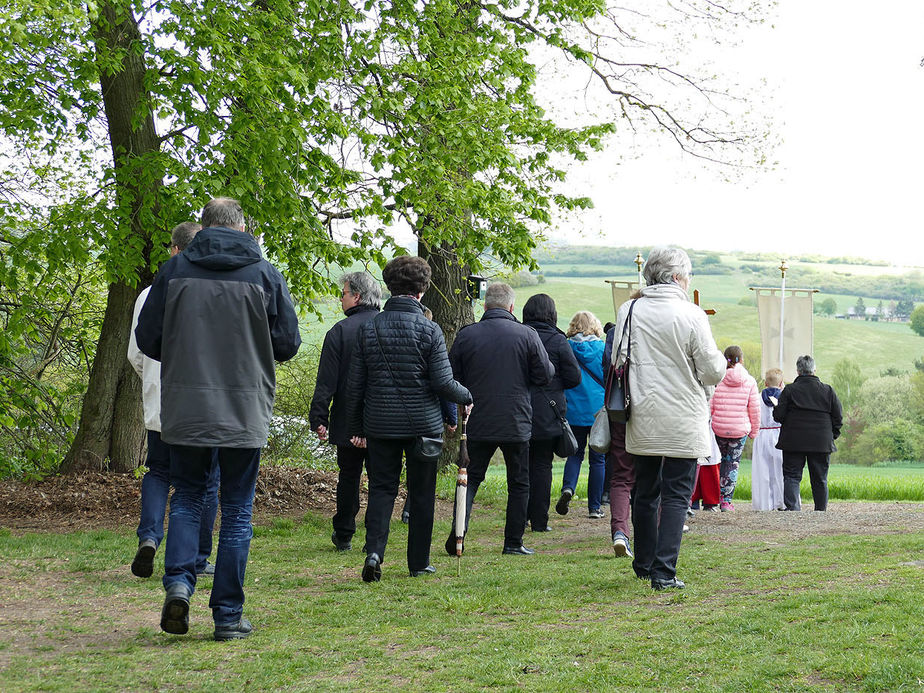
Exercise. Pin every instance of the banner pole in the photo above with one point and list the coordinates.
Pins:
(639, 261)
(783, 268)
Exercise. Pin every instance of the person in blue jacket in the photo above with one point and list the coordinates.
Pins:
(585, 337)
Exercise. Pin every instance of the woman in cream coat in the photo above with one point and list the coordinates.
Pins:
(672, 371)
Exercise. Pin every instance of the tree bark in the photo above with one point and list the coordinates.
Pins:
(448, 299)
(448, 293)
(111, 430)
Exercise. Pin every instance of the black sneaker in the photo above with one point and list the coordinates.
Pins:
(339, 544)
(234, 631)
(174, 617)
(143, 565)
(561, 507)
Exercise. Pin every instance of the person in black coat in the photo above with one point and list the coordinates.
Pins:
(398, 373)
(500, 360)
(809, 414)
(360, 299)
(540, 314)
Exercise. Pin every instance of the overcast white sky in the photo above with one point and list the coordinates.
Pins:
(846, 89)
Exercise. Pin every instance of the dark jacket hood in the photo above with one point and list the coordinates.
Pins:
(219, 248)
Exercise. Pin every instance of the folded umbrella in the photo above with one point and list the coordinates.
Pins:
(461, 493)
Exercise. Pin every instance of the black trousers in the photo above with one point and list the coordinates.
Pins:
(384, 470)
(516, 458)
(793, 464)
(350, 463)
(663, 487)
(541, 452)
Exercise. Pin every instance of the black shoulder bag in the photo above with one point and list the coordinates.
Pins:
(566, 445)
(426, 448)
(617, 399)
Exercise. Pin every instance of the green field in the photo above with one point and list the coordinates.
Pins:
(875, 346)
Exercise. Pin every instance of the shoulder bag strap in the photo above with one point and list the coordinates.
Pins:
(627, 331)
(590, 373)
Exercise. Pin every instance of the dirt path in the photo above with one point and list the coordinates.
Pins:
(111, 501)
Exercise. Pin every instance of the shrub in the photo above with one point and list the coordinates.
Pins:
(898, 440)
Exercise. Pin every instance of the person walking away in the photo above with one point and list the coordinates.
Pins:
(810, 418)
(360, 298)
(450, 421)
(620, 464)
(155, 486)
(539, 313)
(766, 460)
(500, 361)
(217, 318)
(399, 371)
(735, 418)
(674, 364)
(706, 487)
(585, 337)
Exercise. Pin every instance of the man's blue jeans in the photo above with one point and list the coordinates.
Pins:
(597, 463)
(155, 487)
(189, 469)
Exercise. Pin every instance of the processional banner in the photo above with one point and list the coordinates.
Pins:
(621, 292)
(798, 328)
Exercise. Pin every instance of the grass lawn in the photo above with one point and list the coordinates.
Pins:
(896, 482)
(774, 610)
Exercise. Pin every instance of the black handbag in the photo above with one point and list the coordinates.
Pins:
(617, 398)
(426, 448)
(566, 444)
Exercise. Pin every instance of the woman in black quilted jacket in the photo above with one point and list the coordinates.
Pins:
(399, 371)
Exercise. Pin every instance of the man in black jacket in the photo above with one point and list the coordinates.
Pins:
(809, 414)
(499, 359)
(360, 300)
(217, 317)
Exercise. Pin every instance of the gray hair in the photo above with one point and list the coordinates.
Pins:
(182, 234)
(664, 262)
(365, 286)
(805, 365)
(223, 211)
(498, 295)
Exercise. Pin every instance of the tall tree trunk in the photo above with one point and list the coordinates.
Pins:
(448, 299)
(448, 293)
(111, 423)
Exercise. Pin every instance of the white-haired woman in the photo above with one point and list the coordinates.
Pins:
(673, 367)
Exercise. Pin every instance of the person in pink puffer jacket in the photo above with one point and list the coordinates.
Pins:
(735, 409)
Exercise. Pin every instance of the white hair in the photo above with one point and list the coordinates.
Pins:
(664, 263)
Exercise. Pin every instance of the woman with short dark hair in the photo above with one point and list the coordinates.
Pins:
(399, 371)
(540, 314)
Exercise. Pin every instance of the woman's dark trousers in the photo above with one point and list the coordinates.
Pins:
(793, 464)
(350, 463)
(663, 486)
(384, 470)
(541, 452)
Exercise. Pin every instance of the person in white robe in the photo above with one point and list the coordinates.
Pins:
(766, 460)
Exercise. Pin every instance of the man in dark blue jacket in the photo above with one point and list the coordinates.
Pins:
(360, 300)
(217, 317)
(498, 359)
